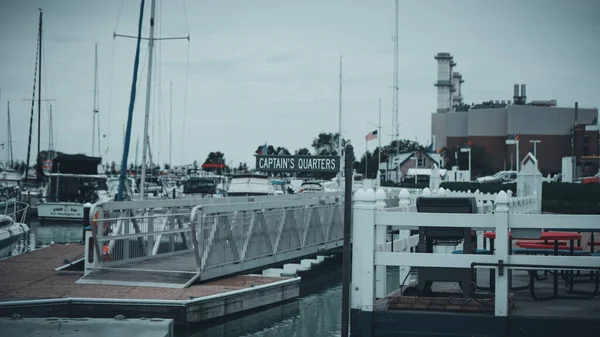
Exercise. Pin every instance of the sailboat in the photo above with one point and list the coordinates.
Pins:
(144, 185)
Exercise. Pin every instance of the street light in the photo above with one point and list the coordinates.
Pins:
(467, 149)
(535, 146)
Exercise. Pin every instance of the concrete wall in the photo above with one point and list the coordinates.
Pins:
(487, 122)
(438, 128)
(457, 124)
(536, 120)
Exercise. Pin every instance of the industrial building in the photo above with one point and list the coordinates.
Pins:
(556, 131)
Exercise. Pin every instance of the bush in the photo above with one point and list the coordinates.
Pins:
(556, 197)
(571, 192)
(483, 188)
(570, 207)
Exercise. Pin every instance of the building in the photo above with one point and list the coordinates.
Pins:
(557, 131)
(398, 165)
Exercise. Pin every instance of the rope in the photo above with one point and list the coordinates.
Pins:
(123, 173)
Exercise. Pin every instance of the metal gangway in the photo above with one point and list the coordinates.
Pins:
(176, 242)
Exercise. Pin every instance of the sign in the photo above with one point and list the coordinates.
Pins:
(298, 163)
(60, 211)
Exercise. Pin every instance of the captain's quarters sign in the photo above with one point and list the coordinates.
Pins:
(298, 163)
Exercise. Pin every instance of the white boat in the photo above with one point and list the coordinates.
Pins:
(73, 183)
(64, 202)
(249, 184)
(12, 226)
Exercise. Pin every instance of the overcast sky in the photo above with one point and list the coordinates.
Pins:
(267, 70)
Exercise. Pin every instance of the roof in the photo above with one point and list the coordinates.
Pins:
(402, 158)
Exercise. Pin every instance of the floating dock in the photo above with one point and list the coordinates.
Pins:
(31, 286)
(85, 327)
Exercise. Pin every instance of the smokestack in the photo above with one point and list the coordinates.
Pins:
(523, 94)
(516, 94)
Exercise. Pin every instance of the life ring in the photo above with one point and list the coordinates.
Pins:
(95, 221)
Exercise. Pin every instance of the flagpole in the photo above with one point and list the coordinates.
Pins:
(379, 138)
(366, 155)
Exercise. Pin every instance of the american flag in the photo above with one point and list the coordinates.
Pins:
(371, 135)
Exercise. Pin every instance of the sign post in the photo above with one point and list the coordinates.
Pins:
(348, 155)
(332, 164)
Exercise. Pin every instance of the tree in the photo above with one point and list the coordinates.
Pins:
(214, 158)
(326, 144)
(195, 165)
(243, 167)
(480, 164)
(302, 152)
(271, 150)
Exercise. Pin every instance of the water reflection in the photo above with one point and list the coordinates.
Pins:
(316, 313)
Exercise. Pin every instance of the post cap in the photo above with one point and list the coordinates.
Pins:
(364, 195)
(380, 194)
(87, 205)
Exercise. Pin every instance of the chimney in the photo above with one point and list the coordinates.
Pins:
(523, 94)
(516, 94)
(576, 112)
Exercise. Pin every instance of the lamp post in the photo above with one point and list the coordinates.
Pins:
(467, 149)
(535, 147)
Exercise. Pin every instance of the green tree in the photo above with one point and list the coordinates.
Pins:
(326, 144)
(480, 163)
(271, 150)
(302, 152)
(243, 167)
(214, 158)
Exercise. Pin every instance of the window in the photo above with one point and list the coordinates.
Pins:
(586, 145)
(420, 162)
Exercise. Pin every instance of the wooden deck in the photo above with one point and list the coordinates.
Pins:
(446, 313)
(31, 276)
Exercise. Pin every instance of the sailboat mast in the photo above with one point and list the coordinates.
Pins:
(39, 92)
(10, 151)
(95, 107)
(51, 136)
(137, 143)
(340, 128)
(148, 91)
(170, 126)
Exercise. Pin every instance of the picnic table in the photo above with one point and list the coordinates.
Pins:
(541, 245)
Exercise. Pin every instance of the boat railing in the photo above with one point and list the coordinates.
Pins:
(17, 210)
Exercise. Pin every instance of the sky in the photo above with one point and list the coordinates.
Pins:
(267, 71)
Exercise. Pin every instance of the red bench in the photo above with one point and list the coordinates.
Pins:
(544, 246)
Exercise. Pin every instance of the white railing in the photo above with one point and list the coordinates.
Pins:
(370, 221)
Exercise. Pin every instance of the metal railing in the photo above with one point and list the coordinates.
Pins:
(17, 210)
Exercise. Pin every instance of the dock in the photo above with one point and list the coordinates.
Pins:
(31, 286)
